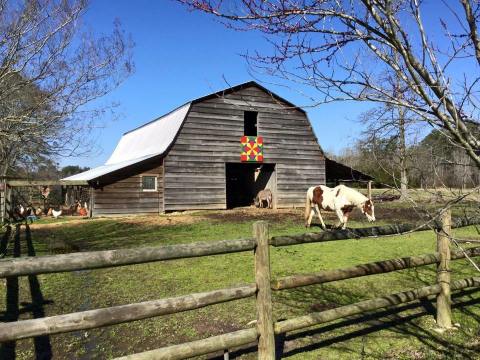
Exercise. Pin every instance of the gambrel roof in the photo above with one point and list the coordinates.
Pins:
(156, 137)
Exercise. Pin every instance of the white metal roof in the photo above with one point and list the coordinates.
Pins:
(147, 141)
(104, 169)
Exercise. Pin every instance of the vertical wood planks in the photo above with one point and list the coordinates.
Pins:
(266, 339)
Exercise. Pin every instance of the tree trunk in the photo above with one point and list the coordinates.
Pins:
(402, 146)
(403, 155)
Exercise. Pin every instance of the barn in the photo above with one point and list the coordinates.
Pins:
(214, 152)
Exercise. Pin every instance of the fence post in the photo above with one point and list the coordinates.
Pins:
(369, 189)
(266, 339)
(444, 311)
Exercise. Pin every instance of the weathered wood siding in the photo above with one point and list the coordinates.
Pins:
(210, 137)
(122, 193)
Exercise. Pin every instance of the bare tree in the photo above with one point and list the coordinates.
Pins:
(344, 48)
(398, 127)
(51, 69)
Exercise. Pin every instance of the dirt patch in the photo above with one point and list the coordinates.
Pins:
(384, 212)
(186, 218)
(71, 220)
(252, 213)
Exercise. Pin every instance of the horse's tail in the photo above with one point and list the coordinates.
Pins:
(308, 207)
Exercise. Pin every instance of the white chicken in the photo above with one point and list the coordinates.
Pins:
(56, 213)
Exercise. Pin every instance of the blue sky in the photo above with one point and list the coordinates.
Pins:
(181, 55)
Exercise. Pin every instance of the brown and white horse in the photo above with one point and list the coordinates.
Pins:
(340, 199)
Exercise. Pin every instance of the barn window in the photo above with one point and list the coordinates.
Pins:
(250, 123)
(149, 183)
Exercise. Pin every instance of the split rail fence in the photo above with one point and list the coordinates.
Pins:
(266, 328)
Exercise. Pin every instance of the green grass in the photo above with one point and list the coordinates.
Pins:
(402, 334)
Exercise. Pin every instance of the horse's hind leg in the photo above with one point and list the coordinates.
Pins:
(320, 216)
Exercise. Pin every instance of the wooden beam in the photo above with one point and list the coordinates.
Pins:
(444, 311)
(109, 258)
(3, 201)
(379, 267)
(119, 314)
(19, 183)
(368, 305)
(199, 347)
(91, 202)
(369, 232)
(266, 338)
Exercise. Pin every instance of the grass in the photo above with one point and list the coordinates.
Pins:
(401, 334)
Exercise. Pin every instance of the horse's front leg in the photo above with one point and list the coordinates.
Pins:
(320, 217)
(346, 215)
(341, 224)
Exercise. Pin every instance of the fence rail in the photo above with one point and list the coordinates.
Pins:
(265, 327)
(363, 233)
(119, 314)
(368, 305)
(110, 258)
(379, 267)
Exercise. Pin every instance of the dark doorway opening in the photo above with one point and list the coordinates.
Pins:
(250, 123)
(245, 180)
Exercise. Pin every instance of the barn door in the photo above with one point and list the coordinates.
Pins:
(244, 180)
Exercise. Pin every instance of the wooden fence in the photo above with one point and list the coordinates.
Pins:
(266, 328)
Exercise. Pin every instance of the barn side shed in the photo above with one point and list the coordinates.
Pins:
(190, 158)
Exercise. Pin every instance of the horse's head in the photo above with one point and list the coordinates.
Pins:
(369, 210)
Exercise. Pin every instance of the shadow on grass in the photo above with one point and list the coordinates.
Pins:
(5, 241)
(43, 348)
(7, 349)
(401, 320)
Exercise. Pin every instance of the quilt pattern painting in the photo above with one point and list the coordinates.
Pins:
(252, 149)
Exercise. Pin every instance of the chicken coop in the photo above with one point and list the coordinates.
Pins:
(21, 198)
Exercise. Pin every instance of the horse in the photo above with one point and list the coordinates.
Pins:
(340, 199)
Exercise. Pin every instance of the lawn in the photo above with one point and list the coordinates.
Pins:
(404, 333)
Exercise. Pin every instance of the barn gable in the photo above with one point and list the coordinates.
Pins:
(206, 153)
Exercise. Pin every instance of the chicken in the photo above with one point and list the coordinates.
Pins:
(56, 213)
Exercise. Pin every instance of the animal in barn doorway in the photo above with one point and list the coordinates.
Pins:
(264, 197)
(340, 199)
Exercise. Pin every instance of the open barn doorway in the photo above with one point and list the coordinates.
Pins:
(245, 180)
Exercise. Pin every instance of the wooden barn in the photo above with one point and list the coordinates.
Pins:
(215, 152)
